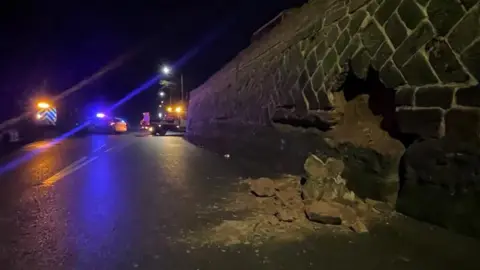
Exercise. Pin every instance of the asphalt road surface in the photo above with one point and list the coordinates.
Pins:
(120, 202)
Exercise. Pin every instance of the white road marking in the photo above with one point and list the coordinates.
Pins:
(109, 149)
(99, 148)
(75, 166)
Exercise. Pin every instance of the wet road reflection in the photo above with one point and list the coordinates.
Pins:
(124, 202)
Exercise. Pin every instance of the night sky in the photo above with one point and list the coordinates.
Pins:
(55, 44)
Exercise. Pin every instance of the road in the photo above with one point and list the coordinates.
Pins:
(124, 202)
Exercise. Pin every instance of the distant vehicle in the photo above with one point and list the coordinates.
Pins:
(145, 122)
(46, 114)
(119, 125)
(105, 124)
(28, 129)
(174, 119)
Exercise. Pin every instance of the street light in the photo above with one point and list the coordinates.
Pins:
(162, 94)
(166, 70)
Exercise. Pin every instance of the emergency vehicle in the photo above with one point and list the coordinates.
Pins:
(29, 125)
(107, 124)
(46, 114)
(174, 119)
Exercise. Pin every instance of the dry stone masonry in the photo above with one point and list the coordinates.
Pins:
(426, 52)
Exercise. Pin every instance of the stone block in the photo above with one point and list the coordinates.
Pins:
(291, 81)
(332, 36)
(441, 185)
(356, 21)
(356, 4)
(324, 100)
(423, 2)
(311, 63)
(395, 30)
(391, 76)
(434, 97)
(417, 72)
(469, 96)
(413, 43)
(300, 102)
(466, 31)
(386, 10)
(303, 79)
(445, 63)
(463, 124)
(427, 123)
(329, 61)
(372, 38)
(335, 15)
(311, 97)
(444, 14)
(321, 50)
(468, 4)
(410, 13)
(309, 45)
(343, 23)
(318, 24)
(382, 55)
(471, 59)
(285, 98)
(372, 7)
(295, 58)
(342, 41)
(405, 97)
(350, 50)
(370, 174)
(360, 63)
(317, 78)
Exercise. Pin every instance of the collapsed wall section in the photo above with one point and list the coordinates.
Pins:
(425, 52)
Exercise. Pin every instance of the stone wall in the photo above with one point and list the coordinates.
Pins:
(425, 52)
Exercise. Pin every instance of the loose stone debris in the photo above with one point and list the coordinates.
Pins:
(283, 209)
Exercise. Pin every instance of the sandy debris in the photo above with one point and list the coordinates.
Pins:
(277, 218)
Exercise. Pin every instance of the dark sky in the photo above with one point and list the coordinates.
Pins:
(58, 43)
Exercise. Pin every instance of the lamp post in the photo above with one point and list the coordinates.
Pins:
(166, 70)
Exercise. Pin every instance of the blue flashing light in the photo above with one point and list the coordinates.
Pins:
(149, 83)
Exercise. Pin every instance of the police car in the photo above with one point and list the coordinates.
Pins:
(105, 124)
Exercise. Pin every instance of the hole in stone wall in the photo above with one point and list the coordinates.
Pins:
(381, 101)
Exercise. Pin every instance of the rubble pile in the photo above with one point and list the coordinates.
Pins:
(290, 208)
(323, 198)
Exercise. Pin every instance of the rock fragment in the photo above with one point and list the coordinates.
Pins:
(324, 212)
(263, 187)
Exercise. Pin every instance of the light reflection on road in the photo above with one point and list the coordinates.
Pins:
(170, 166)
(100, 207)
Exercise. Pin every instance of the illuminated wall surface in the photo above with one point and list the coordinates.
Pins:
(425, 51)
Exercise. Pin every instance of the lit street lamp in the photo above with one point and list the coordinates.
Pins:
(166, 70)
(162, 94)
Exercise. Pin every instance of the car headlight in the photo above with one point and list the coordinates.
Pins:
(150, 129)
